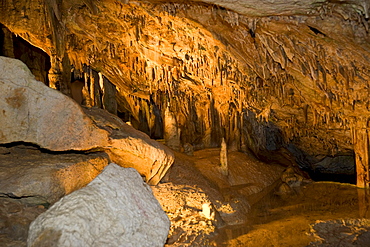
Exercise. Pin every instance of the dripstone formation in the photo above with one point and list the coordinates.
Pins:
(276, 77)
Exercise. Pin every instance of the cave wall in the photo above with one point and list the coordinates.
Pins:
(16, 47)
(195, 73)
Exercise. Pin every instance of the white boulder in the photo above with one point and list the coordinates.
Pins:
(116, 209)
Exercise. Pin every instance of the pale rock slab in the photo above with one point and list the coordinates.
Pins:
(32, 112)
(115, 209)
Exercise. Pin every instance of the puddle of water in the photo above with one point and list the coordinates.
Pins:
(285, 220)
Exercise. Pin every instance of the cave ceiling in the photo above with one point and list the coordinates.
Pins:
(222, 68)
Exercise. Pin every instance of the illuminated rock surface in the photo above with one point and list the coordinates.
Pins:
(281, 75)
(196, 185)
(345, 232)
(129, 147)
(116, 209)
(32, 112)
(285, 80)
(41, 178)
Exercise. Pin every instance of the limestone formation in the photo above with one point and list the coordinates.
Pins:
(129, 147)
(224, 68)
(34, 113)
(184, 206)
(42, 178)
(286, 7)
(247, 175)
(301, 66)
(31, 112)
(336, 165)
(15, 218)
(342, 232)
(223, 158)
(115, 209)
(171, 130)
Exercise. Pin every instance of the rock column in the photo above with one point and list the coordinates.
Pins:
(223, 158)
(171, 130)
(361, 148)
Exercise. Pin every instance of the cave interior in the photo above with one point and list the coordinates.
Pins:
(287, 83)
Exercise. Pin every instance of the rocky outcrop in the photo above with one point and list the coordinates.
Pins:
(129, 147)
(336, 165)
(15, 218)
(33, 113)
(115, 209)
(342, 232)
(184, 206)
(35, 177)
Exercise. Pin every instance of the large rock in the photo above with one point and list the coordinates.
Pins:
(42, 178)
(129, 147)
(15, 219)
(32, 112)
(341, 232)
(115, 209)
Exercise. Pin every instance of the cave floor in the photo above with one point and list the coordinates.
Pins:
(289, 220)
(314, 214)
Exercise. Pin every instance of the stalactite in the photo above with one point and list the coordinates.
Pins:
(95, 95)
(109, 91)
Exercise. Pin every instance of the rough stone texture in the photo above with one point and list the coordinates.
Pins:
(336, 165)
(31, 112)
(42, 178)
(129, 147)
(184, 206)
(195, 205)
(15, 218)
(284, 7)
(343, 232)
(116, 209)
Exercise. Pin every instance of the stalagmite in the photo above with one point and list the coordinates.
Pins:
(171, 130)
(223, 159)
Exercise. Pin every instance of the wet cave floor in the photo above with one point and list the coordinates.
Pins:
(289, 220)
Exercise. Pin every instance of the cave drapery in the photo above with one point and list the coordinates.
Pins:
(265, 76)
